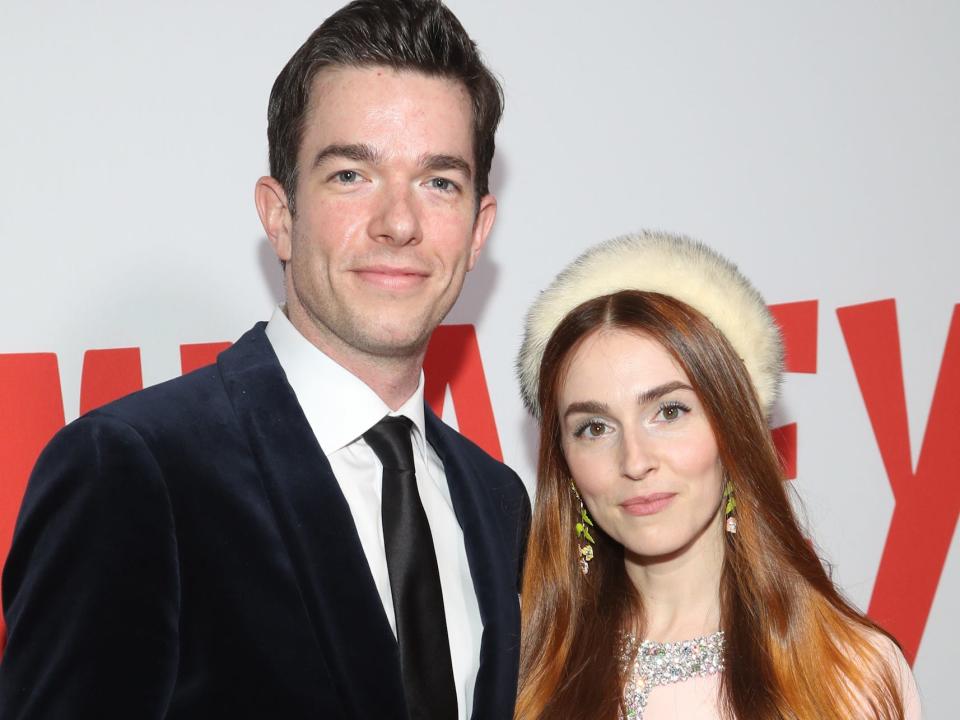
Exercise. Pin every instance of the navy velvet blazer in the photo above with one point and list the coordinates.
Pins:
(186, 552)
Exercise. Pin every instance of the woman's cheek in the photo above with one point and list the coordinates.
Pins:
(692, 454)
(586, 465)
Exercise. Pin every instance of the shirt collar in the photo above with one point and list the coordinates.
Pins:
(338, 405)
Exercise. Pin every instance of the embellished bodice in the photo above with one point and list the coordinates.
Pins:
(655, 664)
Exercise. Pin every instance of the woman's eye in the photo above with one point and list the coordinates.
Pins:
(672, 411)
(592, 429)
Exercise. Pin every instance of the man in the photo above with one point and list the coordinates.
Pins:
(291, 533)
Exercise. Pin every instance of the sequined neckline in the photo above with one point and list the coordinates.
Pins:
(657, 664)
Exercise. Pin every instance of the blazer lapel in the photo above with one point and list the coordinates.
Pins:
(493, 581)
(317, 530)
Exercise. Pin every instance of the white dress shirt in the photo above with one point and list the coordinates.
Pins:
(340, 408)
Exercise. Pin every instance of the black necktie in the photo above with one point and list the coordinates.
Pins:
(414, 578)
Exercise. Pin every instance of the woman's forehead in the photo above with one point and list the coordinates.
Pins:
(612, 361)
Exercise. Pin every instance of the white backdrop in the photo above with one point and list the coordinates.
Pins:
(814, 143)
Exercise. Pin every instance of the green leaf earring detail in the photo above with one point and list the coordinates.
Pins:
(731, 505)
(583, 534)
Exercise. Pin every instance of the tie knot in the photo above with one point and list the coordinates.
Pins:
(390, 441)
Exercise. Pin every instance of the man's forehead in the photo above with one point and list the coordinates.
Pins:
(364, 92)
(331, 77)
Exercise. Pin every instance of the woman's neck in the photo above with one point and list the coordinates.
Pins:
(681, 591)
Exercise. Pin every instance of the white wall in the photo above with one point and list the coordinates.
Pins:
(816, 144)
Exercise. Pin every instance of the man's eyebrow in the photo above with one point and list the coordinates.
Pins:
(358, 152)
(661, 390)
(446, 162)
(590, 407)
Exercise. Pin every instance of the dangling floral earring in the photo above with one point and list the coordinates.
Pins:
(583, 533)
(731, 505)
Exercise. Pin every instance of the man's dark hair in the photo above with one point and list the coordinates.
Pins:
(420, 35)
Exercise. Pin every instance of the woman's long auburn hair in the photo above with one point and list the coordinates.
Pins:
(794, 648)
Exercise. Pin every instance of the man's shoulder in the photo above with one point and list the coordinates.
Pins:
(184, 400)
(459, 443)
(160, 421)
(470, 453)
(198, 393)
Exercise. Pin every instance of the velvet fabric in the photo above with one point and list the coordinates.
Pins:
(186, 552)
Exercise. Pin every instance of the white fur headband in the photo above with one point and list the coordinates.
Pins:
(671, 265)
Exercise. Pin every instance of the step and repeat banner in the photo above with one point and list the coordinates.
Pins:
(815, 144)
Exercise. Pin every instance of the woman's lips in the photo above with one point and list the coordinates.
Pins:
(647, 504)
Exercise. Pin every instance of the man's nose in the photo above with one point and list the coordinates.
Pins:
(396, 219)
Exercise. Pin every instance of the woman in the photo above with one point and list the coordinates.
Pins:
(666, 575)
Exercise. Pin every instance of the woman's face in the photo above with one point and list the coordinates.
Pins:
(639, 445)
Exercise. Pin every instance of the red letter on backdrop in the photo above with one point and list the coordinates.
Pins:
(108, 375)
(798, 324)
(197, 355)
(453, 358)
(31, 411)
(928, 500)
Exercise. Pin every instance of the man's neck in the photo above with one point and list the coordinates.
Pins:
(393, 379)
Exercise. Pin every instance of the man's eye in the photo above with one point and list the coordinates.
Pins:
(439, 183)
(346, 176)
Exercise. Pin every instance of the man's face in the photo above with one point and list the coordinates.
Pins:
(387, 223)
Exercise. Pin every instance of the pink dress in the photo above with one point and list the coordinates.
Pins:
(681, 681)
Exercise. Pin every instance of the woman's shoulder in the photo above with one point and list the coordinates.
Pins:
(898, 665)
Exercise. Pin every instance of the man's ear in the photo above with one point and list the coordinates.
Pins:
(271, 200)
(486, 214)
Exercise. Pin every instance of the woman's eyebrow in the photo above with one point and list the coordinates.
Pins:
(591, 407)
(655, 393)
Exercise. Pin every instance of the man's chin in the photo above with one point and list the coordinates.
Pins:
(400, 343)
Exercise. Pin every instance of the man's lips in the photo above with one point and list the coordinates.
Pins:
(647, 504)
(391, 277)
